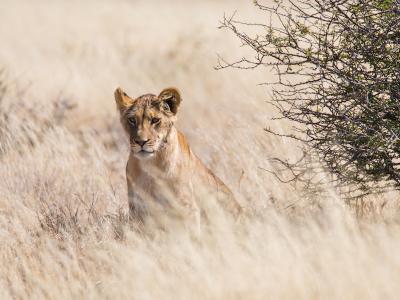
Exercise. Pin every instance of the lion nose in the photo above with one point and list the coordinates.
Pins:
(141, 142)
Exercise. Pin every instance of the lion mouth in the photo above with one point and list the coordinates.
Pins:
(143, 153)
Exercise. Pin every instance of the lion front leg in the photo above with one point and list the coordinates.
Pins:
(135, 213)
(137, 209)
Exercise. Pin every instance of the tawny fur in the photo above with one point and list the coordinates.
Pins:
(162, 170)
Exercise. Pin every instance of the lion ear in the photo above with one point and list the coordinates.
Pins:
(171, 99)
(122, 100)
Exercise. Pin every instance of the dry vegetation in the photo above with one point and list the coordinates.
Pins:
(63, 226)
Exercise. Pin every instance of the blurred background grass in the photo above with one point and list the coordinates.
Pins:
(63, 227)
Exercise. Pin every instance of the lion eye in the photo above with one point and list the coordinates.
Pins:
(155, 121)
(132, 121)
(166, 106)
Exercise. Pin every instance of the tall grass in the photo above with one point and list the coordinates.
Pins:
(64, 231)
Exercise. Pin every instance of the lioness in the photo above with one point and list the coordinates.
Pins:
(162, 169)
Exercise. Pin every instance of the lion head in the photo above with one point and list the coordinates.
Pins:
(148, 119)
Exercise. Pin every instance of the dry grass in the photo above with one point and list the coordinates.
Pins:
(63, 227)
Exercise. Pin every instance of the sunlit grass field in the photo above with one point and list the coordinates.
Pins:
(64, 230)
